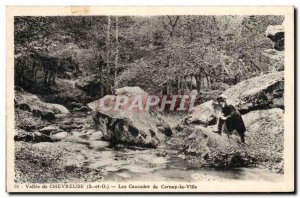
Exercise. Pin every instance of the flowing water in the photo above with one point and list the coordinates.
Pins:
(143, 165)
(162, 164)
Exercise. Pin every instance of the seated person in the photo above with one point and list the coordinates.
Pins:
(229, 118)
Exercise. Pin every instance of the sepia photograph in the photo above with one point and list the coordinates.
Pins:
(150, 99)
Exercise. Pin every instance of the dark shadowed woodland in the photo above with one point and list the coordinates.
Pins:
(65, 64)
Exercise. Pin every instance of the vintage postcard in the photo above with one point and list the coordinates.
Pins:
(150, 99)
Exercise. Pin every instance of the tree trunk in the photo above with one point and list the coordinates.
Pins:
(207, 79)
(178, 84)
(168, 88)
(198, 82)
(107, 53)
(185, 83)
(117, 49)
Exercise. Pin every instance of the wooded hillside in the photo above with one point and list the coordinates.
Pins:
(167, 54)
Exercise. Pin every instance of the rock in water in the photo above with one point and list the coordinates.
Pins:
(59, 109)
(93, 105)
(217, 150)
(52, 129)
(130, 126)
(264, 142)
(260, 99)
(34, 137)
(59, 136)
(96, 135)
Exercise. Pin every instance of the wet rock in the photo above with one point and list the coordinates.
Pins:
(43, 114)
(176, 141)
(218, 150)
(76, 123)
(59, 109)
(91, 131)
(71, 127)
(76, 104)
(52, 129)
(98, 145)
(93, 105)
(49, 116)
(81, 109)
(34, 137)
(131, 126)
(98, 135)
(264, 142)
(59, 136)
(67, 121)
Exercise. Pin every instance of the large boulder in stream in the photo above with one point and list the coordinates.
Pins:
(127, 125)
(262, 92)
(217, 150)
(264, 142)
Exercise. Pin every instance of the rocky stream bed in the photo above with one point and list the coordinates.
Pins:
(83, 157)
(54, 144)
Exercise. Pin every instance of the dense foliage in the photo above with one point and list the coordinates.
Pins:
(157, 53)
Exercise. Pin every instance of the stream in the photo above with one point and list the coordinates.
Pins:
(162, 164)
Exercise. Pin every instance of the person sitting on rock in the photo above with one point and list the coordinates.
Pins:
(229, 119)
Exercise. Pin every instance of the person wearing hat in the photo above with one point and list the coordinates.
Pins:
(230, 118)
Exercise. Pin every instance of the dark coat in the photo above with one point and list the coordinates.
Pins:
(234, 119)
